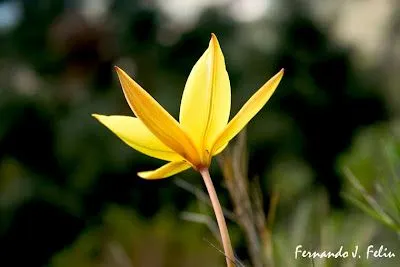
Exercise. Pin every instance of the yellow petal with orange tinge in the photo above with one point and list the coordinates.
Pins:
(157, 119)
(134, 133)
(165, 171)
(247, 112)
(206, 99)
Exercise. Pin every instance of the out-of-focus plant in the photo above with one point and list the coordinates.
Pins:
(372, 169)
(272, 238)
(317, 228)
(247, 200)
(123, 239)
(247, 197)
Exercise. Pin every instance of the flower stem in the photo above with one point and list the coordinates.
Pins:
(226, 241)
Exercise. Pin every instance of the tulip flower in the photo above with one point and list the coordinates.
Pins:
(203, 130)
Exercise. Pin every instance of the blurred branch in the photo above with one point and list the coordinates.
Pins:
(272, 209)
(210, 223)
(237, 262)
(203, 197)
(249, 210)
(203, 219)
(371, 206)
(115, 256)
(393, 184)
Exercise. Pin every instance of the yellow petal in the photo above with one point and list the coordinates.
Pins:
(165, 171)
(247, 112)
(206, 100)
(134, 133)
(157, 119)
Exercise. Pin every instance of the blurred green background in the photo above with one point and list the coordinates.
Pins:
(69, 194)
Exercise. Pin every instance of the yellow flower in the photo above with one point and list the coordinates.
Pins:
(203, 129)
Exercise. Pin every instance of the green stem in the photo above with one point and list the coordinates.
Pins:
(226, 241)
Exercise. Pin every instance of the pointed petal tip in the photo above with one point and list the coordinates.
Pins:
(279, 75)
(144, 175)
(214, 40)
(148, 175)
(100, 118)
(119, 71)
(97, 116)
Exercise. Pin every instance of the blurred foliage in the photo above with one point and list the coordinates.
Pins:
(68, 186)
(316, 227)
(312, 222)
(124, 240)
(372, 169)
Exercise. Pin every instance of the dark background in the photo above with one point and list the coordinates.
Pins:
(60, 170)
